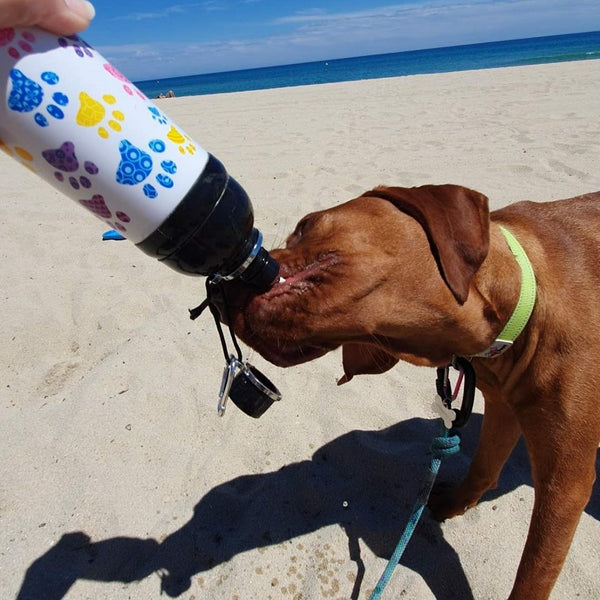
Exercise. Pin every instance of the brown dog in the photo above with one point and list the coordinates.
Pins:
(425, 274)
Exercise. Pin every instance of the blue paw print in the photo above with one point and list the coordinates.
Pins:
(136, 166)
(27, 95)
(157, 115)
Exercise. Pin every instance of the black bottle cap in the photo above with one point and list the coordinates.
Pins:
(262, 271)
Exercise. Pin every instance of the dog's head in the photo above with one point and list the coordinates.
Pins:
(387, 275)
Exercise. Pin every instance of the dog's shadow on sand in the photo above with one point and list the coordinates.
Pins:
(365, 481)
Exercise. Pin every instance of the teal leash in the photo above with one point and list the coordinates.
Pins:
(441, 447)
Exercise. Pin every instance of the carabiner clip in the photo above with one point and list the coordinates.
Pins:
(229, 373)
(444, 389)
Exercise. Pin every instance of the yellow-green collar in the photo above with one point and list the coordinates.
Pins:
(524, 308)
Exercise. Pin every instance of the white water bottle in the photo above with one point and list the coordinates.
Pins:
(77, 122)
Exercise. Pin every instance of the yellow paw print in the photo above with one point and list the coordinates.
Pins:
(92, 112)
(183, 141)
(5, 148)
(26, 157)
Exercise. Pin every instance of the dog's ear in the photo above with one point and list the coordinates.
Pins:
(360, 359)
(457, 223)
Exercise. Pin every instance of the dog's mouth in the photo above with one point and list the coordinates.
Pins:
(275, 322)
(302, 277)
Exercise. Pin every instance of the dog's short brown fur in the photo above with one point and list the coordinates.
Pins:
(424, 274)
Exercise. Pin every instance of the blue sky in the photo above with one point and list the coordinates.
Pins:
(148, 39)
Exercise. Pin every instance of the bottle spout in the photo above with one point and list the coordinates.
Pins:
(262, 272)
(258, 269)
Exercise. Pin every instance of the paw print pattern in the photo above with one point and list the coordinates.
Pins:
(65, 161)
(137, 165)
(27, 95)
(5, 148)
(157, 115)
(97, 205)
(25, 157)
(17, 47)
(183, 141)
(92, 112)
(69, 171)
(127, 85)
(79, 46)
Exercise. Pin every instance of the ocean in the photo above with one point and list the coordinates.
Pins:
(510, 53)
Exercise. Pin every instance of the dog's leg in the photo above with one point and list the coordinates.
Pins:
(499, 434)
(563, 457)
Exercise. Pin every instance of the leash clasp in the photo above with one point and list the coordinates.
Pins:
(444, 389)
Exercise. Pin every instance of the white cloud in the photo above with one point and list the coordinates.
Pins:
(208, 5)
(433, 8)
(416, 25)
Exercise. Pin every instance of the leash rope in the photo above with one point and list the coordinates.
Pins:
(442, 446)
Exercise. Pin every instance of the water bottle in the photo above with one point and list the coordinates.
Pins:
(73, 119)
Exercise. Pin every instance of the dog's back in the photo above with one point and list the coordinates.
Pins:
(565, 228)
(562, 239)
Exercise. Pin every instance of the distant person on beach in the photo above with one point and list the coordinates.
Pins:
(63, 17)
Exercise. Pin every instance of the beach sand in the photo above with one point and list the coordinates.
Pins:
(118, 479)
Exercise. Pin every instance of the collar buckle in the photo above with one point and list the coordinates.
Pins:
(497, 348)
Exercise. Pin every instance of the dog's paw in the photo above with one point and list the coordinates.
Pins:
(446, 501)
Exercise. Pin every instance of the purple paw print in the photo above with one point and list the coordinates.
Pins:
(79, 46)
(69, 170)
(65, 161)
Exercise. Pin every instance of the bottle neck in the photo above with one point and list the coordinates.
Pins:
(211, 232)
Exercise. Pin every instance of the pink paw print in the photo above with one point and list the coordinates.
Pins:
(129, 88)
(17, 45)
(97, 205)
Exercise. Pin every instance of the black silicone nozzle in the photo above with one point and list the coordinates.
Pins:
(211, 233)
(262, 272)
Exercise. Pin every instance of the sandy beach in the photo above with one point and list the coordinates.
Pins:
(118, 479)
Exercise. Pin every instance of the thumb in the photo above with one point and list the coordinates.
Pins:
(67, 16)
(62, 17)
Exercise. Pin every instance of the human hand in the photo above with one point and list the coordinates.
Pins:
(63, 17)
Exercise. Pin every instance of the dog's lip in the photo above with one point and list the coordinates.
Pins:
(276, 345)
(298, 276)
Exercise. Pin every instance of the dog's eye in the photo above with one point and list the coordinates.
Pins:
(301, 227)
(299, 231)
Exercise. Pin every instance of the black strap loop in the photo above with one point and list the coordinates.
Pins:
(211, 288)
